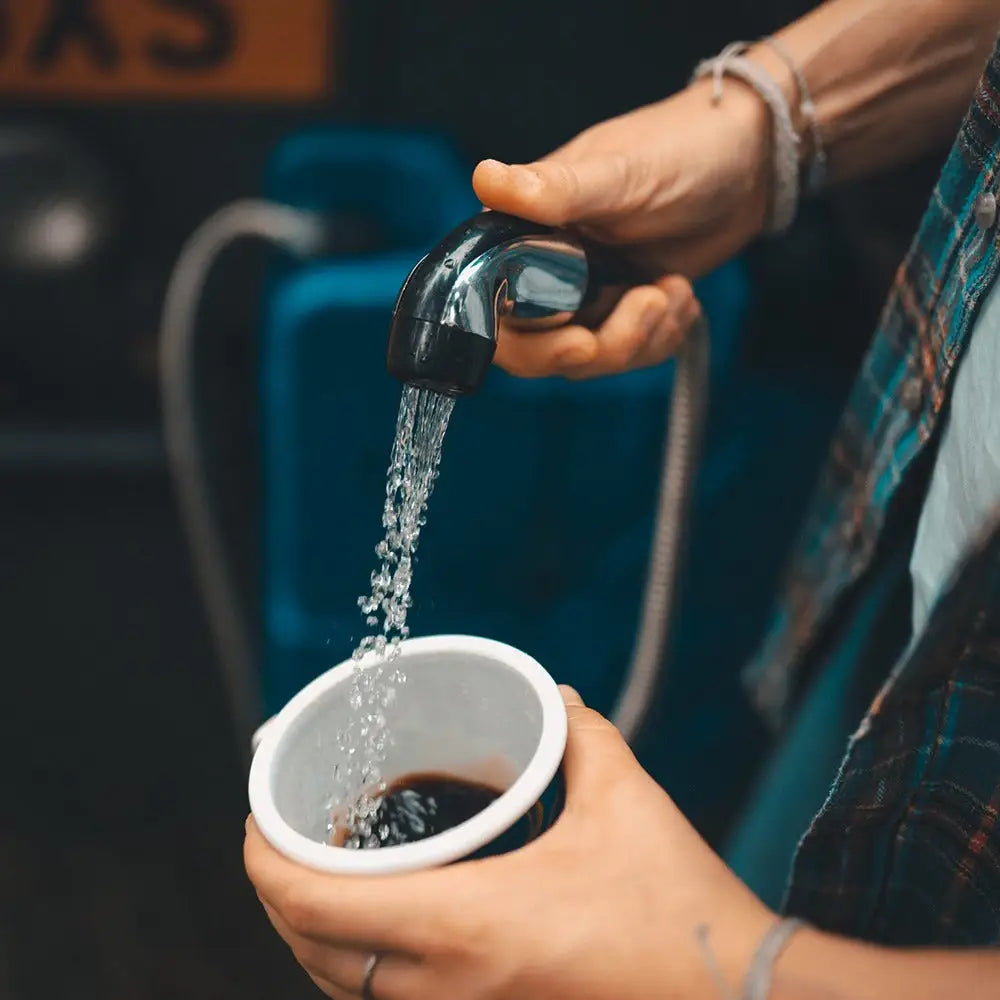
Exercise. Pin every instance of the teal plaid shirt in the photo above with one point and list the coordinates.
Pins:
(906, 849)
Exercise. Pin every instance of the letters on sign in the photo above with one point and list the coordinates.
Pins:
(266, 49)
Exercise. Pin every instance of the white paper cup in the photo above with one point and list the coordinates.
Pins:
(472, 708)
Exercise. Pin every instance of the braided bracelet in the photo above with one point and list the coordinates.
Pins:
(785, 183)
(816, 172)
(757, 985)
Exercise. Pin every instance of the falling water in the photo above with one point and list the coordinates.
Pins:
(362, 744)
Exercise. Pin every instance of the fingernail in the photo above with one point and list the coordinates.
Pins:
(570, 695)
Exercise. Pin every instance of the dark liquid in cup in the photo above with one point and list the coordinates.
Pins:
(418, 806)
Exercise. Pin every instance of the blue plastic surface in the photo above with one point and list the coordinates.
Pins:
(411, 187)
(537, 532)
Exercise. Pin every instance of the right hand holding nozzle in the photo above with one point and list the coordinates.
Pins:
(681, 186)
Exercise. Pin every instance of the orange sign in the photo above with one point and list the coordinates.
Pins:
(272, 50)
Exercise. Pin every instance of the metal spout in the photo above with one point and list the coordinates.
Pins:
(444, 327)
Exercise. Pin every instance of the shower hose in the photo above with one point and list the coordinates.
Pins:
(302, 234)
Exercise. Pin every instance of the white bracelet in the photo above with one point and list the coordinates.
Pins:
(757, 985)
(816, 172)
(785, 166)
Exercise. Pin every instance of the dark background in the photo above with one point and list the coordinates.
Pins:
(121, 819)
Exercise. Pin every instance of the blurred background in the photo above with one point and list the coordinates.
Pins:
(124, 124)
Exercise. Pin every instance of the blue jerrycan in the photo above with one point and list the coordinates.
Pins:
(539, 527)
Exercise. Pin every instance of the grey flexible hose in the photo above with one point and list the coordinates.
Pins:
(302, 234)
(682, 451)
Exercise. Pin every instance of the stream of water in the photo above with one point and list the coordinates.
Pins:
(362, 744)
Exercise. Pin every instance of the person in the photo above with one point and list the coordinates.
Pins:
(895, 887)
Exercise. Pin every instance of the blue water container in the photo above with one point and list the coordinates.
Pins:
(538, 530)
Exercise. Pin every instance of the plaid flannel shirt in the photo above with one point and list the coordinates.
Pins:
(906, 849)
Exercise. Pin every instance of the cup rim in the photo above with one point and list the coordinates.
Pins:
(441, 849)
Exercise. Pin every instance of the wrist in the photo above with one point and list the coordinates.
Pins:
(821, 966)
(796, 968)
(745, 157)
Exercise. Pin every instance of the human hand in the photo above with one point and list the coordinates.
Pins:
(604, 906)
(681, 186)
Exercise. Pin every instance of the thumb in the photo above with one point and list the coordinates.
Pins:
(570, 696)
(552, 192)
(596, 754)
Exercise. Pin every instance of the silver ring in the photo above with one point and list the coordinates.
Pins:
(366, 983)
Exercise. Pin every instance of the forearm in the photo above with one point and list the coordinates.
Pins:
(890, 78)
(817, 966)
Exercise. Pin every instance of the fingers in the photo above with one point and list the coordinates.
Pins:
(553, 191)
(392, 985)
(570, 696)
(341, 971)
(539, 355)
(328, 989)
(641, 331)
(645, 328)
(667, 335)
(370, 913)
(340, 967)
(373, 913)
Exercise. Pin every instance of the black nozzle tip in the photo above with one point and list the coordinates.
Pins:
(436, 356)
